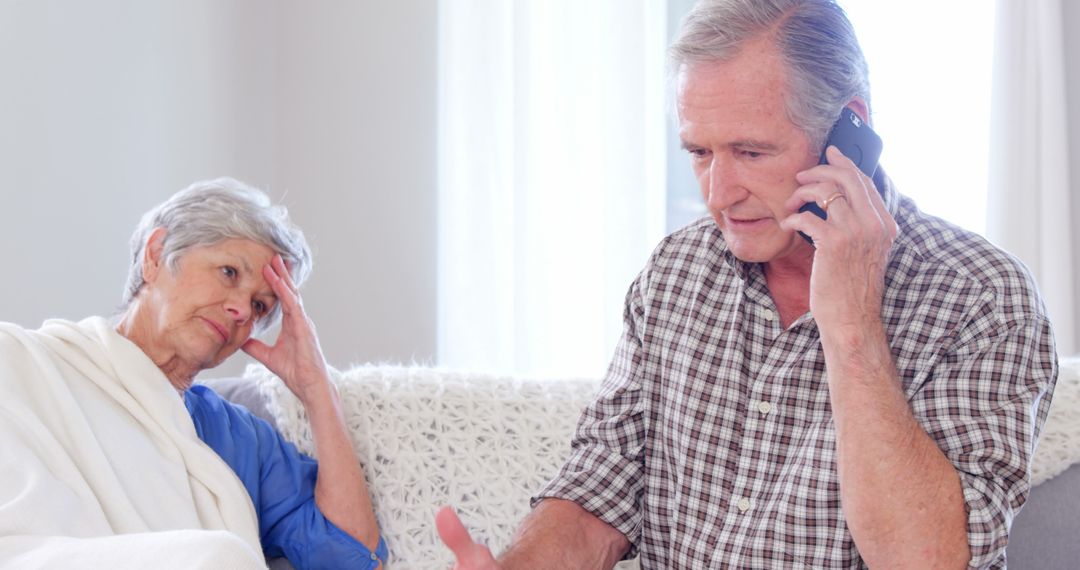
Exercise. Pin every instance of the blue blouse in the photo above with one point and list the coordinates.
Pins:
(281, 483)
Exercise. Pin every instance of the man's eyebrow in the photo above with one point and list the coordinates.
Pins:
(753, 143)
(740, 143)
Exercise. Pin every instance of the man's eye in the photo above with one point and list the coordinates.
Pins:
(750, 153)
(229, 271)
(699, 153)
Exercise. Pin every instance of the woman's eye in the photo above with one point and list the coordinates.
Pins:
(260, 307)
(229, 271)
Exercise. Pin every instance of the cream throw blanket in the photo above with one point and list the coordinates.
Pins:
(100, 465)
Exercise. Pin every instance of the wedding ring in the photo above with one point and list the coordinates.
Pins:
(825, 203)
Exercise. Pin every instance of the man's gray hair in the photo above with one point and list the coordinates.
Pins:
(212, 211)
(826, 67)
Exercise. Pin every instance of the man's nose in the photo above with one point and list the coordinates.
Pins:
(721, 185)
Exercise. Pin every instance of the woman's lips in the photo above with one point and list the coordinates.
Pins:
(224, 334)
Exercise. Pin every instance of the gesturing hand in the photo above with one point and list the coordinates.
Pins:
(470, 555)
(295, 357)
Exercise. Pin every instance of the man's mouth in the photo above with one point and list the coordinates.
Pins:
(744, 221)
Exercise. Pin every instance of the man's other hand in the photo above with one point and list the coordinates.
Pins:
(470, 555)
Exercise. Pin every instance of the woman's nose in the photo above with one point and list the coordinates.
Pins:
(239, 308)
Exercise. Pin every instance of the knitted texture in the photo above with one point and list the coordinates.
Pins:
(1059, 444)
(430, 437)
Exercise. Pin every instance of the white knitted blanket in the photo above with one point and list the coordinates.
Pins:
(430, 437)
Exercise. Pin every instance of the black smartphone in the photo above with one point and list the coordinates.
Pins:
(857, 141)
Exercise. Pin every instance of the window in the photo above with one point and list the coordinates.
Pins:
(551, 184)
(930, 79)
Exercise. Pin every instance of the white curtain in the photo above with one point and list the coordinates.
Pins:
(551, 177)
(1031, 210)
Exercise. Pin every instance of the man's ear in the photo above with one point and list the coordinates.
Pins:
(153, 262)
(859, 106)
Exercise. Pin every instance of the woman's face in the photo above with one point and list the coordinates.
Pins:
(193, 318)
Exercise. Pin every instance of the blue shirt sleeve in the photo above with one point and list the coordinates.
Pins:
(281, 483)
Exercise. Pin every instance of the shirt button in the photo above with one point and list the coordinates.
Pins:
(744, 505)
(769, 315)
(764, 407)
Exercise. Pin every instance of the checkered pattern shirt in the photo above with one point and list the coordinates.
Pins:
(711, 443)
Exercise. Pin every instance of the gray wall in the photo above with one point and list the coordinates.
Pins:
(108, 107)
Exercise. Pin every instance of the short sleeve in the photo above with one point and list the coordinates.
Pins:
(281, 483)
(604, 472)
(984, 404)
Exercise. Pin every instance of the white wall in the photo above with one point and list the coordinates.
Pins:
(107, 108)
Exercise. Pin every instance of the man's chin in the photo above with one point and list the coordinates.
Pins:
(751, 252)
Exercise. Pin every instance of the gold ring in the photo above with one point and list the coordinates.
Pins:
(825, 203)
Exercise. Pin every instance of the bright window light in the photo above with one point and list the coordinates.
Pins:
(930, 78)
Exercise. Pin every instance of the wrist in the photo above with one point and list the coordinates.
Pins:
(863, 348)
(317, 392)
(854, 332)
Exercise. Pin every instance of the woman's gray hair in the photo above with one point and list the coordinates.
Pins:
(212, 211)
(826, 67)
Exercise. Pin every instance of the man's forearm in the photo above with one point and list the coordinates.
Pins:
(559, 534)
(901, 496)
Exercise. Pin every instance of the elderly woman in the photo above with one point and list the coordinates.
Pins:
(101, 463)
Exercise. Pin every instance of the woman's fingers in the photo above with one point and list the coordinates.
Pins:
(282, 269)
(257, 349)
(288, 297)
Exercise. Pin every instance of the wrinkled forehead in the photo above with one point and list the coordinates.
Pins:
(728, 90)
(755, 73)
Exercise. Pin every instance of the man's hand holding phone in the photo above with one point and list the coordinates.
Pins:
(855, 140)
(847, 281)
(841, 212)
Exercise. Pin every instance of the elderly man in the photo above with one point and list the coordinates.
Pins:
(872, 399)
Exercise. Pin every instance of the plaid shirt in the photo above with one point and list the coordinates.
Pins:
(711, 443)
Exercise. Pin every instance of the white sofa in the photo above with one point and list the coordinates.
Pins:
(431, 437)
